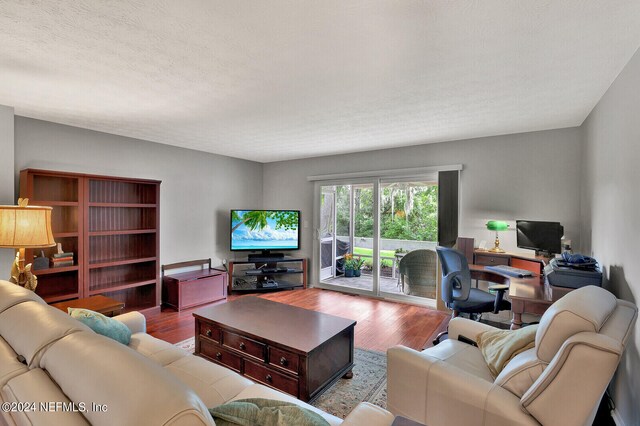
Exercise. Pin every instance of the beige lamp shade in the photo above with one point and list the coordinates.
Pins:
(25, 227)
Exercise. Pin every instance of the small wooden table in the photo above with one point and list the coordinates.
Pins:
(531, 295)
(294, 350)
(101, 304)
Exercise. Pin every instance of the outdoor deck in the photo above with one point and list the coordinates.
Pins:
(365, 282)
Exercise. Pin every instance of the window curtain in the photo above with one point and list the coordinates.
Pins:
(448, 207)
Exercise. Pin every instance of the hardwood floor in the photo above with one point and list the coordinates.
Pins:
(381, 324)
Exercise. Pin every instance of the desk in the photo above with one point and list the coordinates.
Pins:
(531, 295)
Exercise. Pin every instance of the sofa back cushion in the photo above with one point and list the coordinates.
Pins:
(584, 309)
(136, 391)
(11, 294)
(52, 407)
(30, 327)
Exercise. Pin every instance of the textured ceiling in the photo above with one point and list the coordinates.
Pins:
(275, 80)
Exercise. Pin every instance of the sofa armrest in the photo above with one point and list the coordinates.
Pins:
(368, 414)
(467, 328)
(431, 391)
(135, 321)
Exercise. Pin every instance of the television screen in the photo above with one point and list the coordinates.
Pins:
(539, 236)
(265, 230)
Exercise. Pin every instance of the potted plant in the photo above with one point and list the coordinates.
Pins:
(349, 265)
(358, 262)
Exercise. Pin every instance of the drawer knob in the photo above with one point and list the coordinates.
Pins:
(283, 361)
(209, 332)
(243, 346)
(269, 378)
(218, 355)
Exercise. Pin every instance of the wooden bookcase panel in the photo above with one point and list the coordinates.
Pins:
(110, 248)
(55, 188)
(110, 191)
(64, 219)
(119, 275)
(59, 286)
(137, 298)
(121, 218)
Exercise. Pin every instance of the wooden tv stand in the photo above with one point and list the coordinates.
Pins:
(251, 275)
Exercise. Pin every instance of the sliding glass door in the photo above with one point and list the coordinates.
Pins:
(346, 236)
(365, 230)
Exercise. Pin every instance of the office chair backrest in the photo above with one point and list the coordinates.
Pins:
(456, 277)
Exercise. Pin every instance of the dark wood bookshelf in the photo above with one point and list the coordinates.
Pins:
(111, 224)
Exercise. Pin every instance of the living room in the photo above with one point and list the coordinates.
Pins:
(550, 135)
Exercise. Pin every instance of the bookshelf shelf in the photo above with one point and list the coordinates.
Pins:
(111, 226)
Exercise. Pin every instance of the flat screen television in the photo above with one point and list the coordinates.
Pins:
(539, 236)
(265, 230)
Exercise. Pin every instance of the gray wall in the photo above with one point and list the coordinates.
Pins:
(611, 211)
(6, 179)
(522, 176)
(197, 190)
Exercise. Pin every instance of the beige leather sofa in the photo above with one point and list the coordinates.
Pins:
(56, 371)
(558, 382)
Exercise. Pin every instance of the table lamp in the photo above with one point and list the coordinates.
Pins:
(497, 225)
(24, 227)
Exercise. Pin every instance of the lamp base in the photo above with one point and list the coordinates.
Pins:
(23, 276)
(496, 248)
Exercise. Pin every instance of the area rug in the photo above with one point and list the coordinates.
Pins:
(369, 383)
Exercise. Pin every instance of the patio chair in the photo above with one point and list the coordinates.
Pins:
(418, 275)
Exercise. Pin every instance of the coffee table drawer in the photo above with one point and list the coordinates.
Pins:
(244, 345)
(210, 332)
(224, 357)
(269, 377)
(283, 359)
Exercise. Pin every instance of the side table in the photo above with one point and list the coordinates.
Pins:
(101, 304)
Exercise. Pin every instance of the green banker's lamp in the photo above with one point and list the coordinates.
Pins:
(497, 225)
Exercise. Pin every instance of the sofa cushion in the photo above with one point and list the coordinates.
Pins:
(9, 364)
(102, 324)
(463, 356)
(12, 294)
(584, 309)
(213, 383)
(36, 387)
(162, 352)
(30, 327)
(136, 390)
(260, 391)
(520, 373)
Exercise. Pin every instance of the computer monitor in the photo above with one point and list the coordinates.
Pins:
(539, 236)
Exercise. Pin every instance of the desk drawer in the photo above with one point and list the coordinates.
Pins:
(490, 260)
(244, 345)
(261, 373)
(216, 353)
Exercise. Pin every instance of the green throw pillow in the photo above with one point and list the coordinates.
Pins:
(265, 412)
(102, 325)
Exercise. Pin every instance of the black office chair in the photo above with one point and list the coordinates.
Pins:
(457, 292)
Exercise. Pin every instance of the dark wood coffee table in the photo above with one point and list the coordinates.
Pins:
(294, 350)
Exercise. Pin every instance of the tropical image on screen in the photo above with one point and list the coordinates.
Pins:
(264, 229)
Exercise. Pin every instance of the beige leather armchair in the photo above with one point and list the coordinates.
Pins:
(560, 381)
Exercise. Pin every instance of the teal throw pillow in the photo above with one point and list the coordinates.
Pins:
(102, 325)
(265, 412)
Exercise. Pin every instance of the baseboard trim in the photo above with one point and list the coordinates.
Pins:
(616, 418)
